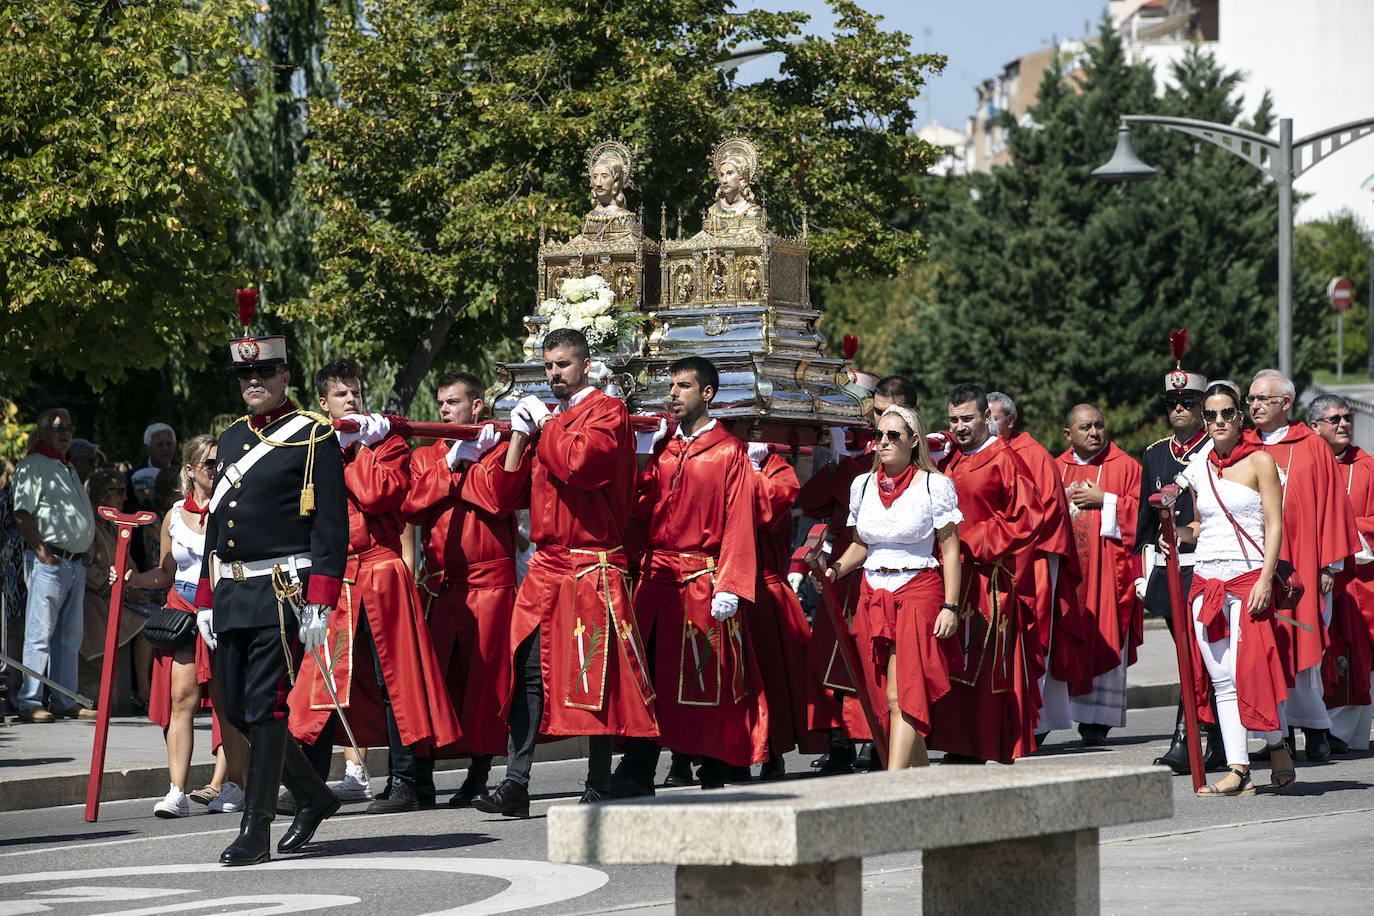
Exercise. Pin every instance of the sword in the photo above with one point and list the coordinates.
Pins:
(696, 657)
(333, 697)
(581, 656)
(88, 703)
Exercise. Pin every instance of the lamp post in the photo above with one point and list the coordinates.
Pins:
(1283, 160)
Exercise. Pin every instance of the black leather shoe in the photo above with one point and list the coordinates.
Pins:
(679, 773)
(820, 762)
(625, 788)
(863, 756)
(739, 774)
(1337, 745)
(591, 795)
(1093, 734)
(773, 768)
(254, 843)
(962, 759)
(474, 785)
(839, 761)
(1176, 757)
(315, 801)
(403, 797)
(510, 799)
(1318, 748)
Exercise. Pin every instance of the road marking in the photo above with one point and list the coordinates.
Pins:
(531, 883)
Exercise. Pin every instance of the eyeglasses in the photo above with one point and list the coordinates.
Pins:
(1185, 403)
(1228, 415)
(1252, 398)
(891, 435)
(246, 373)
(1338, 418)
(61, 427)
(208, 464)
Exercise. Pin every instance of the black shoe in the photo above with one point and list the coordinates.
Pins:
(962, 759)
(1214, 757)
(840, 760)
(315, 801)
(679, 773)
(623, 788)
(863, 757)
(739, 774)
(1040, 740)
(773, 768)
(474, 785)
(510, 798)
(254, 843)
(403, 797)
(1176, 757)
(286, 803)
(820, 762)
(591, 795)
(266, 746)
(425, 793)
(1093, 734)
(1318, 748)
(1337, 745)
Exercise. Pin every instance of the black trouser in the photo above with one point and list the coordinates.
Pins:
(250, 666)
(526, 712)
(1157, 594)
(402, 756)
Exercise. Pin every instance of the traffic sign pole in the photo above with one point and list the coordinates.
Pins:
(1340, 291)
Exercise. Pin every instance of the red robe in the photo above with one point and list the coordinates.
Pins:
(777, 624)
(469, 582)
(1352, 606)
(1259, 677)
(1318, 530)
(581, 488)
(698, 497)
(991, 709)
(1107, 589)
(1059, 614)
(378, 584)
(826, 496)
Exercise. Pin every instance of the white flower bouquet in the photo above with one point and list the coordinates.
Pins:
(587, 304)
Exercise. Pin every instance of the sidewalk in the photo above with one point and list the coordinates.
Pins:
(47, 765)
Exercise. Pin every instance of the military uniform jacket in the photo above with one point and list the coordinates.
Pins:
(1159, 465)
(260, 518)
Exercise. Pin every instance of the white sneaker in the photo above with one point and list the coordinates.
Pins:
(175, 804)
(354, 787)
(229, 799)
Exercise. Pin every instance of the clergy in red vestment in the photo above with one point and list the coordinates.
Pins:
(377, 649)
(1048, 576)
(699, 565)
(1318, 535)
(1103, 487)
(1346, 665)
(579, 666)
(989, 712)
(463, 503)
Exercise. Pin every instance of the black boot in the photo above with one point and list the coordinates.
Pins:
(840, 759)
(774, 768)
(314, 800)
(863, 757)
(1176, 757)
(713, 773)
(475, 783)
(424, 781)
(254, 843)
(1214, 757)
(1093, 734)
(679, 772)
(402, 797)
(1318, 748)
(510, 798)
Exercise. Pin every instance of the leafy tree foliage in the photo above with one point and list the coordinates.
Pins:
(1339, 246)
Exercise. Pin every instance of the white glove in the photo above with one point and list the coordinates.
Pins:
(1140, 585)
(205, 623)
(531, 411)
(795, 580)
(314, 626)
(724, 605)
(375, 428)
(647, 441)
(758, 454)
(473, 449)
(837, 442)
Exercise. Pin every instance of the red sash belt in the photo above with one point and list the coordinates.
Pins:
(1214, 591)
(378, 554)
(679, 566)
(497, 573)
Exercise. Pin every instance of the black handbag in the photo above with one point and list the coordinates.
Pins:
(170, 628)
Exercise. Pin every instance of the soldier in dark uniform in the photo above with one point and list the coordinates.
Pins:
(275, 541)
(1160, 464)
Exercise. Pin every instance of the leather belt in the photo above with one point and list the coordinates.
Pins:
(65, 554)
(239, 570)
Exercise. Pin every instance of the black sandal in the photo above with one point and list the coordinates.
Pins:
(1246, 787)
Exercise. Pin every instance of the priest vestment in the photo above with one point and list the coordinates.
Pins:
(1347, 686)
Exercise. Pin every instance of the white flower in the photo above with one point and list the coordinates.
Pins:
(558, 321)
(604, 324)
(547, 308)
(605, 297)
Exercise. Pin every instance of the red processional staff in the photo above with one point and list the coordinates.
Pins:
(1163, 503)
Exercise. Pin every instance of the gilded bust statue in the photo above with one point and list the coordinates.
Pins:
(736, 164)
(610, 166)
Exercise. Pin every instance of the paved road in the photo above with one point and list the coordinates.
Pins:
(1308, 849)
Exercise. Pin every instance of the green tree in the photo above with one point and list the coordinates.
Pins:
(460, 130)
(1340, 246)
(114, 189)
(1057, 289)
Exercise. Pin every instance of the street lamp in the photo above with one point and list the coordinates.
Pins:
(1284, 161)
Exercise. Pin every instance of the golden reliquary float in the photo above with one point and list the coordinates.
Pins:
(734, 293)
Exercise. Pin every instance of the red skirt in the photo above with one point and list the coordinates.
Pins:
(160, 685)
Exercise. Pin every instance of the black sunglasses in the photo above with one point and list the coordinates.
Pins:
(259, 372)
(891, 435)
(1185, 403)
(1338, 418)
(1227, 414)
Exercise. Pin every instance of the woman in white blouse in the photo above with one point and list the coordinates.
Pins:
(908, 596)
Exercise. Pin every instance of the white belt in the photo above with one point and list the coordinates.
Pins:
(239, 570)
(1156, 560)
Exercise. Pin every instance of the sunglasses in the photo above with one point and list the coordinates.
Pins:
(1338, 418)
(208, 464)
(1185, 403)
(256, 372)
(891, 435)
(1227, 414)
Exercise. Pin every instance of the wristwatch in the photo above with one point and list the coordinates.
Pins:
(952, 608)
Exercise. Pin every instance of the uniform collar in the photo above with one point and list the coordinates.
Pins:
(259, 421)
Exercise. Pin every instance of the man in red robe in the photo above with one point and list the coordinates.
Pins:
(697, 495)
(463, 503)
(1103, 487)
(1048, 576)
(378, 652)
(1319, 536)
(1346, 665)
(579, 666)
(989, 712)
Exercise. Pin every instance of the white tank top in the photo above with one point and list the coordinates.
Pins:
(1217, 538)
(187, 546)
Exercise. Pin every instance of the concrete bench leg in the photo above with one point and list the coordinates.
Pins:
(748, 890)
(1055, 873)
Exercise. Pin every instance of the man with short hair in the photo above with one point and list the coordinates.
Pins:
(1103, 486)
(54, 517)
(464, 506)
(1319, 536)
(579, 666)
(989, 712)
(1347, 661)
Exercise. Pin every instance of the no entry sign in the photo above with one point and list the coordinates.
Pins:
(1340, 291)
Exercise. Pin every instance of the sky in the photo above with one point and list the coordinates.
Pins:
(978, 37)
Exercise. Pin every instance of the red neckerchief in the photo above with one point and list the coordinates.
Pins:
(258, 422)
(190, 505)
(1179, 451)
(889, 488)
(1242, 448)
(42, 449)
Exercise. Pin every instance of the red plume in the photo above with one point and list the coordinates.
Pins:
(1178, 342)
(247, 300)
(849, 346)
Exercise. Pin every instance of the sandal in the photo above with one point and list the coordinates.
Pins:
(1246, 787)
(204, 796)
(1281, 780)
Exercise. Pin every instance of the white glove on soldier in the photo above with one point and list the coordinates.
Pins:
(531, 411)
(1140, 585)
(205, 623)
(647, 441)
(794, 581)
(473, 449)
(314, 626)
(724, 605)
(758, 454)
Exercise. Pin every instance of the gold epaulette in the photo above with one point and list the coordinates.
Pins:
(319, 418)
(1157, 441)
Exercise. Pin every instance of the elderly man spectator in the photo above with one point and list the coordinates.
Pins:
(86, 457)
(54, 517)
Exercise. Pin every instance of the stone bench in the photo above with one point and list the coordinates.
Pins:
(993, 839)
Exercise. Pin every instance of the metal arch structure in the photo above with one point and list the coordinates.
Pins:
(1283, 160)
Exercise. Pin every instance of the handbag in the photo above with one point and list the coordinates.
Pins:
(170, 628)
(1285, 589)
